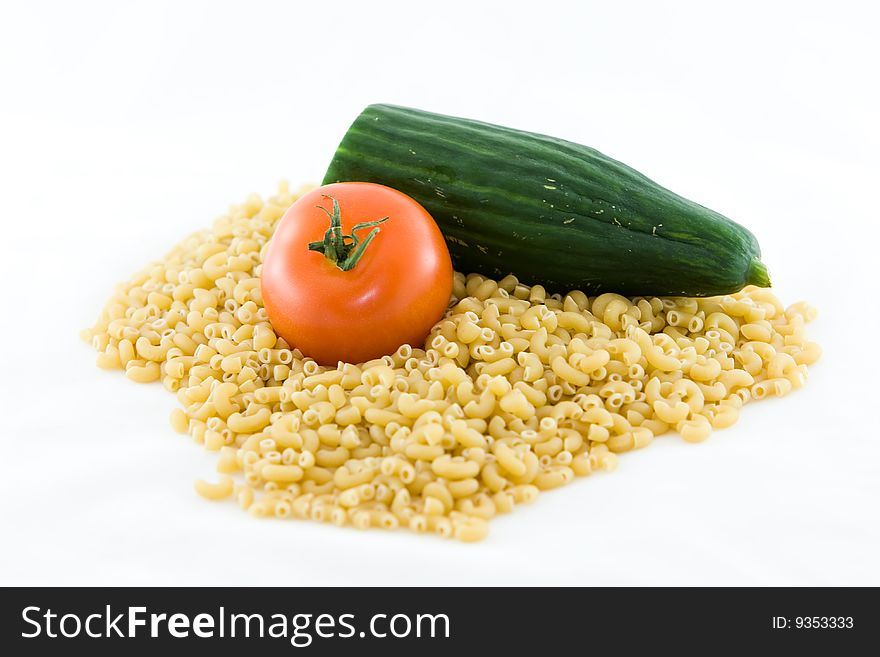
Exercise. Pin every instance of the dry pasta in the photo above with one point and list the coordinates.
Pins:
(514, 391)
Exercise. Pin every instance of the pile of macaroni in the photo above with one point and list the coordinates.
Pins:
(515, 391)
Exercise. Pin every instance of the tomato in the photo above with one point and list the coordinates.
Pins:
(392, 295)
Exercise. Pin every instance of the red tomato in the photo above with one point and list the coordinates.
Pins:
(394, 293)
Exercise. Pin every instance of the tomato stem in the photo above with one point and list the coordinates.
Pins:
(344, 254)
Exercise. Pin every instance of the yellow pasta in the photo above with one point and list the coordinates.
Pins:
(514, 392)
(695, 430)
(142, 371)
(179, 421)
(218, 491)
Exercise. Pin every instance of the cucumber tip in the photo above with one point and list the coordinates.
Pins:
(757, 274)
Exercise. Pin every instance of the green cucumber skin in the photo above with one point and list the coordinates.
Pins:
(549, 211)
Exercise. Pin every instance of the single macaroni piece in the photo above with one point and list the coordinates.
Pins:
(514, 392)
(221, 490)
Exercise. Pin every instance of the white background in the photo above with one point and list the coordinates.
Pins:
(126, 125)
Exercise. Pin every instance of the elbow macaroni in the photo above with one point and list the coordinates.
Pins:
(514, 391)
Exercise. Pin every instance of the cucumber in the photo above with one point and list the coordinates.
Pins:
(551, 212)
